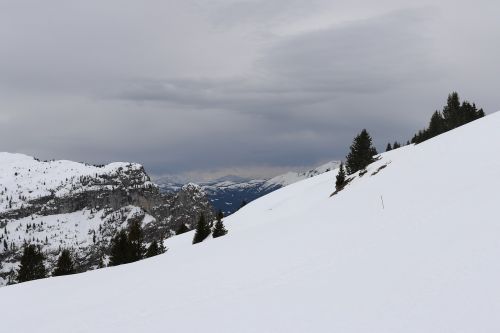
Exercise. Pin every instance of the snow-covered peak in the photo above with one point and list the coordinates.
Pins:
(24, 178)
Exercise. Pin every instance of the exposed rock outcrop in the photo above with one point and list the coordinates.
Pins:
(63, 204)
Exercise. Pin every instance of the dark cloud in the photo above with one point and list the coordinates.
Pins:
(363, 57)
(255, 86)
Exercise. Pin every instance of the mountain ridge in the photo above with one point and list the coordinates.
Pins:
(229, 192)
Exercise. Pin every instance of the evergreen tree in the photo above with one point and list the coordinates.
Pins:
(153, 249)
(451, 112)
(389, 147)
(101, 264)
(64, 264)
(340, 181)
(396, 145)
(32, 267)
(202, 230)
(454, 115)
(361, 154)
(182, 229)
(120, 250)
(135, 240)
(219, 229)
(436, 125)
(161, 245)
(480, 113)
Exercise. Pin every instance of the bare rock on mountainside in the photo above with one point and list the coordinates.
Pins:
(63, 204)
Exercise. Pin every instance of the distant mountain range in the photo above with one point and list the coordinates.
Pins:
(229, 192)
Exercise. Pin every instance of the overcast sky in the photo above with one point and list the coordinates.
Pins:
(249, 87)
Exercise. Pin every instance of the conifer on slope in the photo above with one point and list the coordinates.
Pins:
(361, 153)
(136, 240)
(65, 265)
(340, 180)
(120, 250)
(219, 229)
(202, 230)
(32, 267)
(153, 249)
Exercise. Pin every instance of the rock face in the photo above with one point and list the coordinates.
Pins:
(64, 204)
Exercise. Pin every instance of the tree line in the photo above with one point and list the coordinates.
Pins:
(127, 246)
(362, 152)
(453, 115)
(204, 229)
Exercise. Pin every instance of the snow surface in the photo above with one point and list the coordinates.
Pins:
(298, 260)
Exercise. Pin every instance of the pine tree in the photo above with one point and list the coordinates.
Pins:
(361, 154)
(389, 147)
(340, 181)
(480, 113)
(202, 230)
(101, 264)
(219, 229)
(161, 245)
(120, 250)
(136, 240)
(436, 125)
(454, 115)
(31, 267)
(182, 229)
(451, 112)
(153, 249)
(64, 264)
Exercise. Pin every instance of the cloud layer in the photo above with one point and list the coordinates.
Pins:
(253, 87)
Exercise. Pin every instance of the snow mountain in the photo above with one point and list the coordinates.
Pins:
(64, 204)
(409, 245)
(228, 193)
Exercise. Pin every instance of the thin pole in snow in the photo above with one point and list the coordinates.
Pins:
(382, 199)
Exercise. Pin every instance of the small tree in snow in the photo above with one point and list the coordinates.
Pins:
(202, 230)
(65, 265)
(361, 154)
(340, 180)
(219, 229)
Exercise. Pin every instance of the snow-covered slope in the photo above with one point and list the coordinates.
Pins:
(300, 260)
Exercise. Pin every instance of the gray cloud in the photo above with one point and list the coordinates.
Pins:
(254, 86)
(368, 56)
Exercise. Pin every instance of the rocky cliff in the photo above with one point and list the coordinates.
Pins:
(64, 204)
